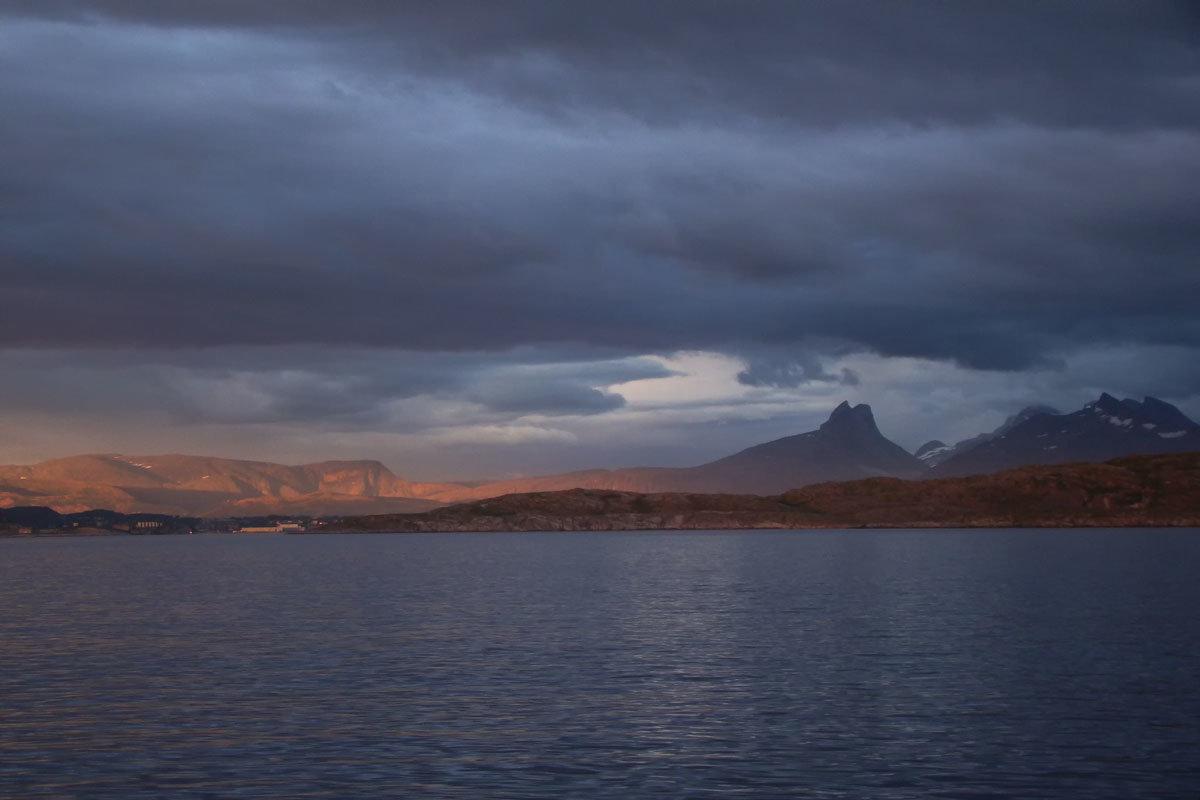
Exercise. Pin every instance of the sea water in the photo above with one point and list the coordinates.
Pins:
(856, 664)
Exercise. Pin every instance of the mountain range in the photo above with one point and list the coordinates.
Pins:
(935, 452)
(847, 446)
(216, 487)
(1103, 429)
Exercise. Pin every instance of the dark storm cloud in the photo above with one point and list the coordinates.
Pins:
(989, 183)
(792, 373)
(349, 389)
(1114, 61)
(523, 396)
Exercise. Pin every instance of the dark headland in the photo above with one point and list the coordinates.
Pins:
(1157, 490)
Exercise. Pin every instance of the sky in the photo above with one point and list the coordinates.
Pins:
(480, 240)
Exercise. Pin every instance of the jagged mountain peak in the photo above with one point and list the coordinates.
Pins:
(847, 445)
(847, 417)
(1161, 414)
(1148, 413)
(1102, 429)
(1107, 404)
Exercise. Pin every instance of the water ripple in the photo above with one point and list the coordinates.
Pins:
(658, 665)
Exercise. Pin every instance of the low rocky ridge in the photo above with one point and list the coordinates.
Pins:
(1161, 490)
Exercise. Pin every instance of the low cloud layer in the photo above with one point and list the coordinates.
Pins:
(480, 194)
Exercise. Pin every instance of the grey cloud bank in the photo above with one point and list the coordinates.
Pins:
(464, 202)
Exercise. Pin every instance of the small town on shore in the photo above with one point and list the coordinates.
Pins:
(43, 521)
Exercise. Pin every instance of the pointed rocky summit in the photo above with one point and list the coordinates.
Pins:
(846, 446)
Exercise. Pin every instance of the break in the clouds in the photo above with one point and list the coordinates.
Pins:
(488, 221)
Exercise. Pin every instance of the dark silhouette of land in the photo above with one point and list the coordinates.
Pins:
(1159, 490)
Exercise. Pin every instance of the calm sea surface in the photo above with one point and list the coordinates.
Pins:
(882, 664)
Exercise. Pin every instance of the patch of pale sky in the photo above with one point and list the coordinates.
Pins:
(510, 434)
(702, 378)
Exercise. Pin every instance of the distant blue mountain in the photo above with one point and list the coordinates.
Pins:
(1103, 429)
(935, 452)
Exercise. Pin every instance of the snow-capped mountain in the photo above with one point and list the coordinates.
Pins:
(1103, 429)
(936, 452)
